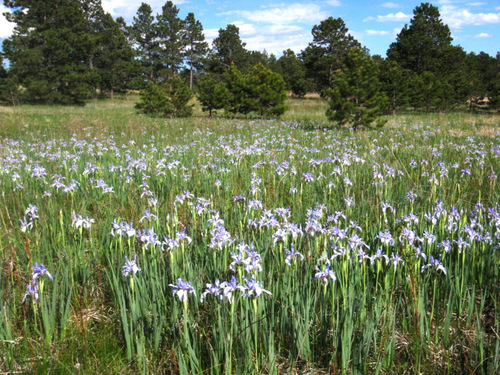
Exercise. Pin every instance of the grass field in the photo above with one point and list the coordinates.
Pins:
(132, 244)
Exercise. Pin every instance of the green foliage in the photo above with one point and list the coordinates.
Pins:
(168, 52)
(114, 57)
(395, 84)
(419, 47)
(168, 99)
(195, 45)
(213, 95)
(261, 91)
(325, 55)
(49, 50)
(294, 73)
(142, 36)
(228, 50)
(240, 99)
(356, 98)
(268, 89)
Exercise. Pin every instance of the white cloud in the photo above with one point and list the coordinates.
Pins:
(128, 8)
(284, 14)
(6, 27)
(483, 35)
(391, 17)
(377, 32)
(273, 38)
(456, 17)
(333, 3)
(390, 5)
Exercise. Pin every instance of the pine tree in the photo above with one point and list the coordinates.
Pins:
(268, 91)
(195, 45)
(169, 47)
(294, 73)
(114, 60)
(325, 55)
(240, 99)
(213, 95)
(394, 81)
(143, 38)
(168, 99)
(228, 50)
(420, 46)
(356, 98)
(49, 50)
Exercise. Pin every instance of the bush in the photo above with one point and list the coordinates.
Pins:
(169, 99)
(356, 98)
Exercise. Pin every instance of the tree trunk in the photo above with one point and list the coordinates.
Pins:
(191, 72)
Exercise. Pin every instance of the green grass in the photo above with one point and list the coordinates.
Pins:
(377, 317)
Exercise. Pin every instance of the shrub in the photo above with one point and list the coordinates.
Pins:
(168, 99)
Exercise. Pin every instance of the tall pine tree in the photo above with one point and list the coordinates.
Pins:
(169, 47)
(325, 55)
(195, 45)
(49, 50)
(420, 46)
(114, 59)
(143, 38)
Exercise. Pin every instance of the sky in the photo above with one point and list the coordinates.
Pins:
(275, 26)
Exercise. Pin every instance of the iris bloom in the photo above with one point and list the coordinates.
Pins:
(40, 270)
(130, 266)
(182, 289)
(292, 255)
(254, 288)
(32, 290)
(325, 274)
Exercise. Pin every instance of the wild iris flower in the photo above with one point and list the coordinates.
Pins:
(32, 288)
(254, 288)
(40, 270)
(325, 274)
(213, 289)
(436, 263)
(292, 254)
(130, 267)
(182, 289)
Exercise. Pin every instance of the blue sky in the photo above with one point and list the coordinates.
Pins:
(277, 25)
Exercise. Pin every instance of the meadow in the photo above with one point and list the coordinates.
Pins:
(132, 244)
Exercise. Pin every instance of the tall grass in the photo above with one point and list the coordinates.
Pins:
(243, 246)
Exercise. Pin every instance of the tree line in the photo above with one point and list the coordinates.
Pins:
(70, 51)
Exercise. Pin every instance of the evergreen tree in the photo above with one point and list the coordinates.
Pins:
(142, 35)
(260, 90)
(356, 98)
(170, 46)
(268, 91)
(394, 80)
(494, 86)
(168, 99)
(213, 95)
(228, 49)
(49, 50)
(114, 60)
(195, 45)
(294, 73)
(240, 99)
(325, 55)
(419, 47)
(93, 13)
(427, 92)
